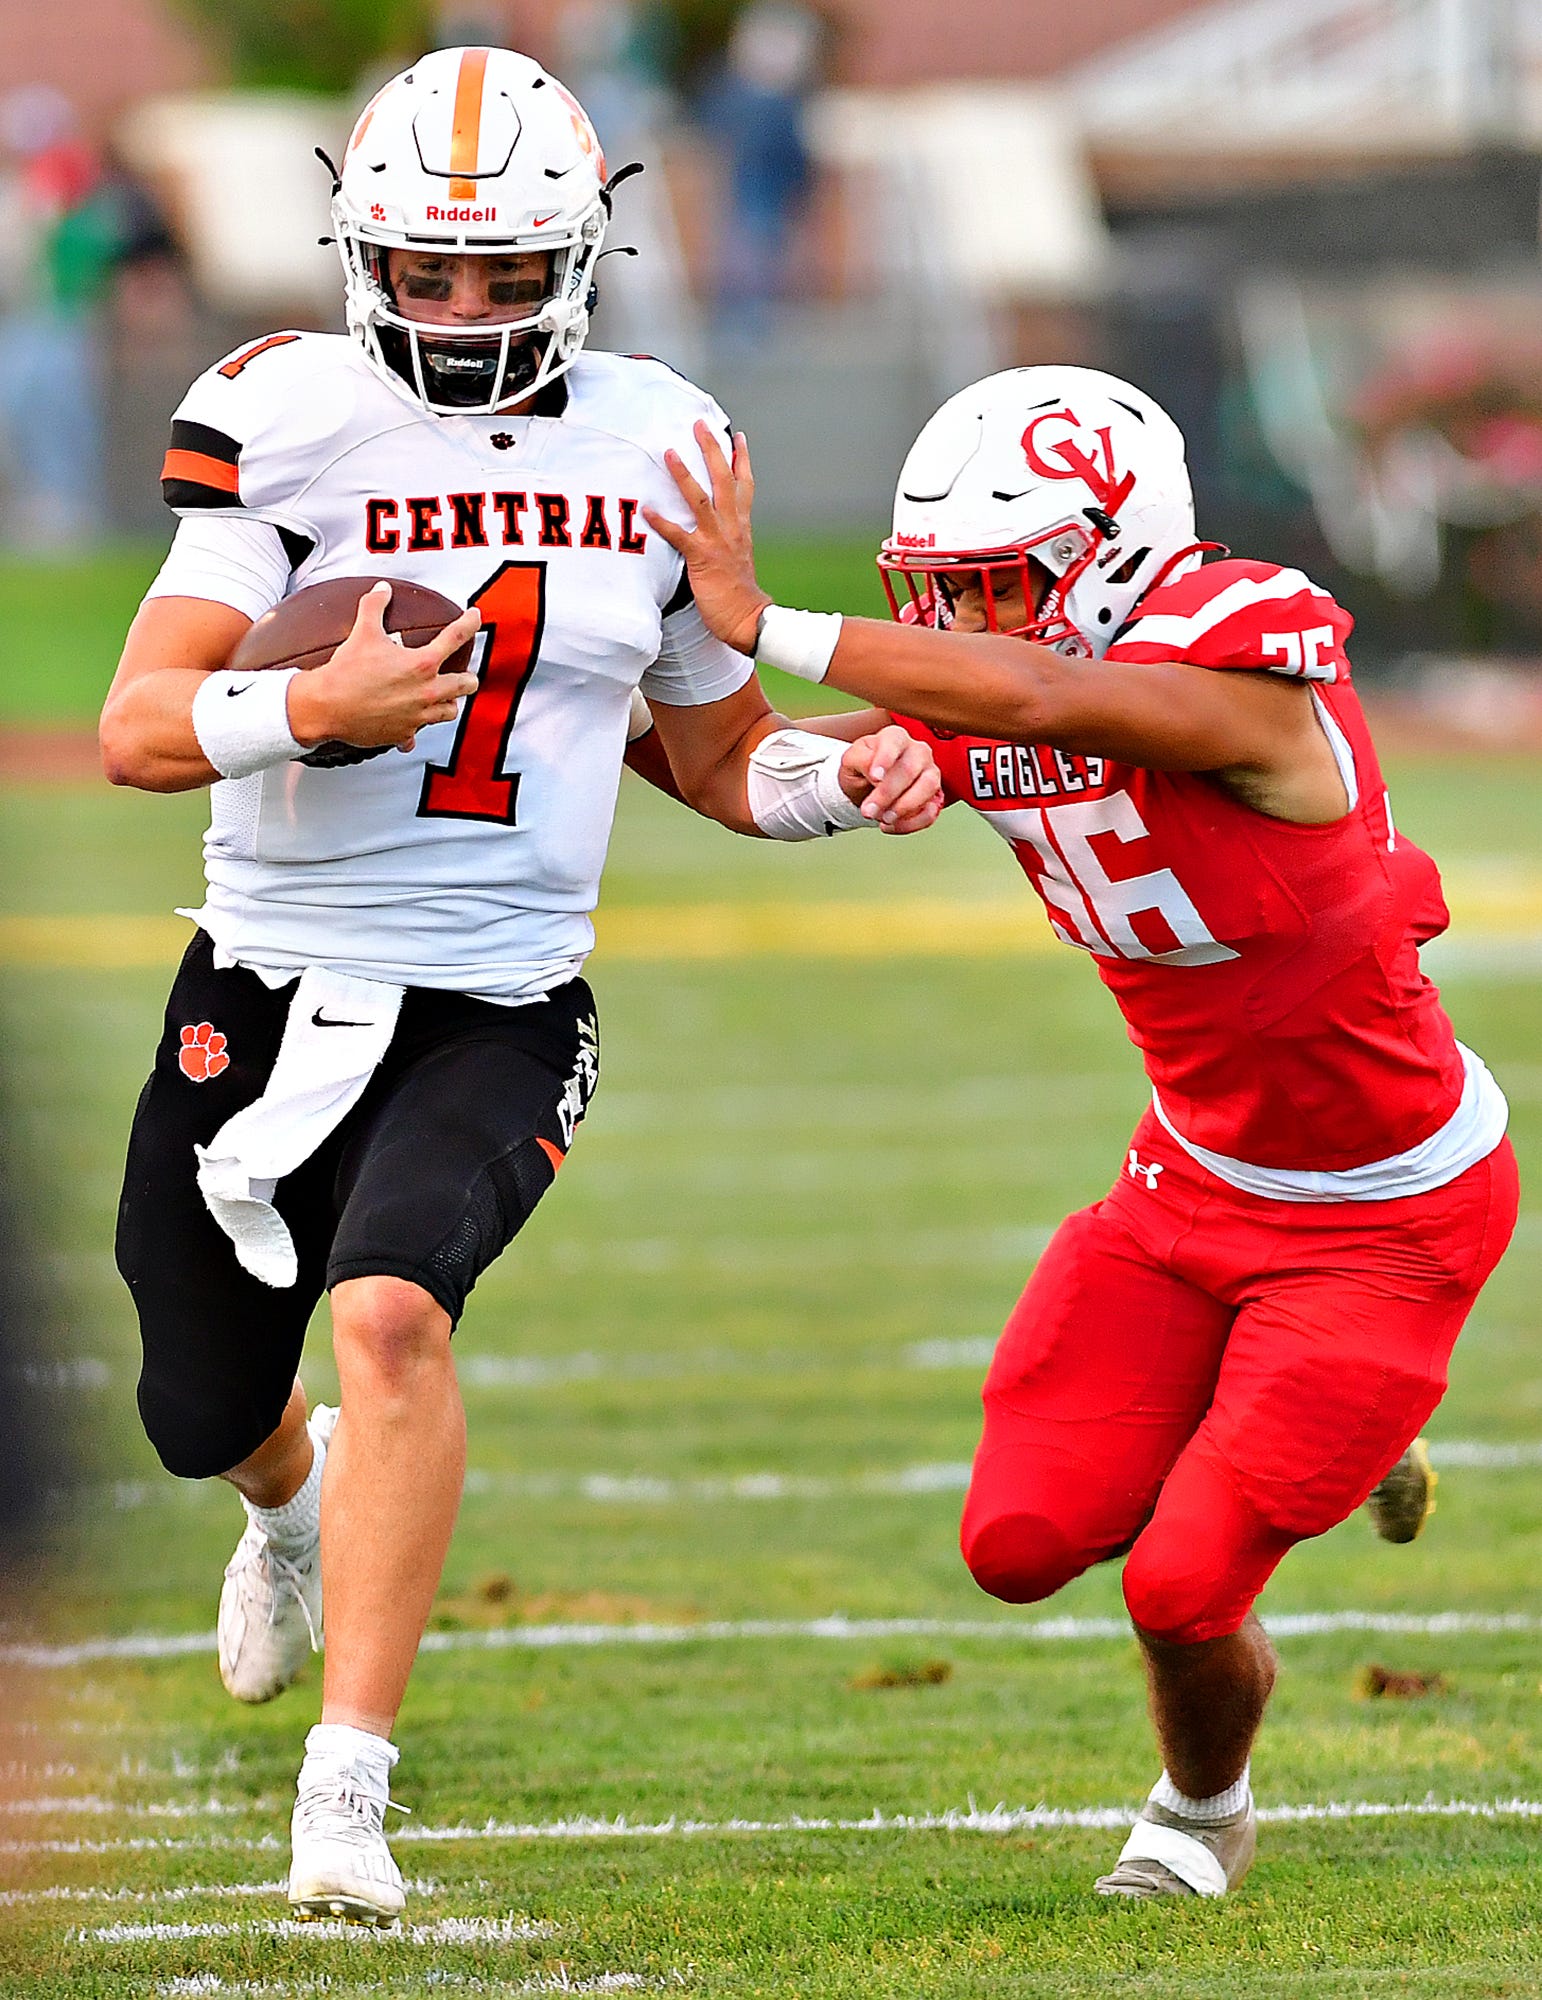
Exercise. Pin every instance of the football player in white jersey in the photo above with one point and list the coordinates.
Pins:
(379, 1044)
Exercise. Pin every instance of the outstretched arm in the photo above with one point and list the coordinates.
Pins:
(1174, 717)
(721, 758)
(646, 755)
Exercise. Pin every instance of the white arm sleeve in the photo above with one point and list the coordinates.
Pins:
(240, 563)
(692, 666)
(793, 785)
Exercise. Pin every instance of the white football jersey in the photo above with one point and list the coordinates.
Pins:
(471, 862)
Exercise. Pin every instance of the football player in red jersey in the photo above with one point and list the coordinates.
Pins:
(1227, 1353)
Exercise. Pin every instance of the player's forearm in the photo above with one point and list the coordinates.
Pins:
(719, 790)
(845, 725)
(146, 734)
(984, 685)
(647, 756)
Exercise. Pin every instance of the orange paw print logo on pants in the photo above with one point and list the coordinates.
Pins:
(202, 1053)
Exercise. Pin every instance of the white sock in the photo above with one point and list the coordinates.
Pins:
(292, 1529)
(341, 1743)
(1166, 1794)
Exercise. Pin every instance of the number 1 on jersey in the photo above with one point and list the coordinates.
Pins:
(472, 785)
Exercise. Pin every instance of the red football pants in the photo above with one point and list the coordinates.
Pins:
(1203, 1378)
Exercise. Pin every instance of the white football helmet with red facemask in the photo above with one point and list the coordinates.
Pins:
(471, 151)
(1066, 480)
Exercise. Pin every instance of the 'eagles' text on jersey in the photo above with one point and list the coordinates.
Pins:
(471, 862)
(1268, 972)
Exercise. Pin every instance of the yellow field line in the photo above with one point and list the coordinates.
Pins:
(917, 926)
(1506, 907)
(924, 927)
(98, 944)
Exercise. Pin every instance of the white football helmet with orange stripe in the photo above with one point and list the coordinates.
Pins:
(471, 151)
(1069, 479)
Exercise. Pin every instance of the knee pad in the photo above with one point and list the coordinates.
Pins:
(1198, 1566)
(1019, 1557)
(195, 1442)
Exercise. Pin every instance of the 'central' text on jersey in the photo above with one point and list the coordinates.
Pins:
(424, 523)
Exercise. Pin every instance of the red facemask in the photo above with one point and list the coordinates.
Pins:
(1002, 573)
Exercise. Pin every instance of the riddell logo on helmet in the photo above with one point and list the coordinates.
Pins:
(461, 214)
(916, 541)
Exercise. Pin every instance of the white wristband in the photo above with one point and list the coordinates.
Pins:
(798, 642)
(794, 787)
(242, 721)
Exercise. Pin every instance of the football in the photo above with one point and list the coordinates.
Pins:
(306, 629)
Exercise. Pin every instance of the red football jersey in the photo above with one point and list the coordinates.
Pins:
(1268, 973)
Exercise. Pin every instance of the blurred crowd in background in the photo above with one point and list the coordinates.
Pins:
(1311, 230)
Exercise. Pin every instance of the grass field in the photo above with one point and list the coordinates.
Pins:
(724, 1389)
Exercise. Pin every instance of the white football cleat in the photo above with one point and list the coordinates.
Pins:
(341, 1866)
(1169, 1856)
(270, 1604)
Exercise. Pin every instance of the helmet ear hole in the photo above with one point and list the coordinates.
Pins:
(1126, 571)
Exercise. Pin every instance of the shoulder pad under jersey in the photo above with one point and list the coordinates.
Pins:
(646, 402)
(254, 430)
(1240, 614)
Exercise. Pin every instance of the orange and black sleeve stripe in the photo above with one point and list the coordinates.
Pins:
(202, 468)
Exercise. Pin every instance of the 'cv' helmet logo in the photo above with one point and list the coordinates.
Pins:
(1069, 458)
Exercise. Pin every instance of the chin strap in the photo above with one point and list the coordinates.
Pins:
(1172, 562)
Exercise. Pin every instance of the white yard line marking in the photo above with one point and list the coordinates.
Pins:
(191, 1892)
(650, 1489)
(1281, 1625)
(959, 1819)
(266, 1843)
(970, 1819)
(1487, 954)
(543, 1371)
(448, 1930)
(145, 1646)
(114, 1808)
(198, 1984)
(760, 1257)
(1478, 1454)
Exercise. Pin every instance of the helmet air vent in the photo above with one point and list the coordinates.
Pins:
(1126, 571)
(938, 459)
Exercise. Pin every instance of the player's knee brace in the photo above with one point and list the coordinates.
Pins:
(201, 1439)
(1024, 1533)
(1019, 1557)
(1198, 1566)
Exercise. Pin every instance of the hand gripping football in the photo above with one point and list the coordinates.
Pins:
(306, 629)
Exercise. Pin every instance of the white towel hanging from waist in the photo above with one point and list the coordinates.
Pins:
(337, 1031)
